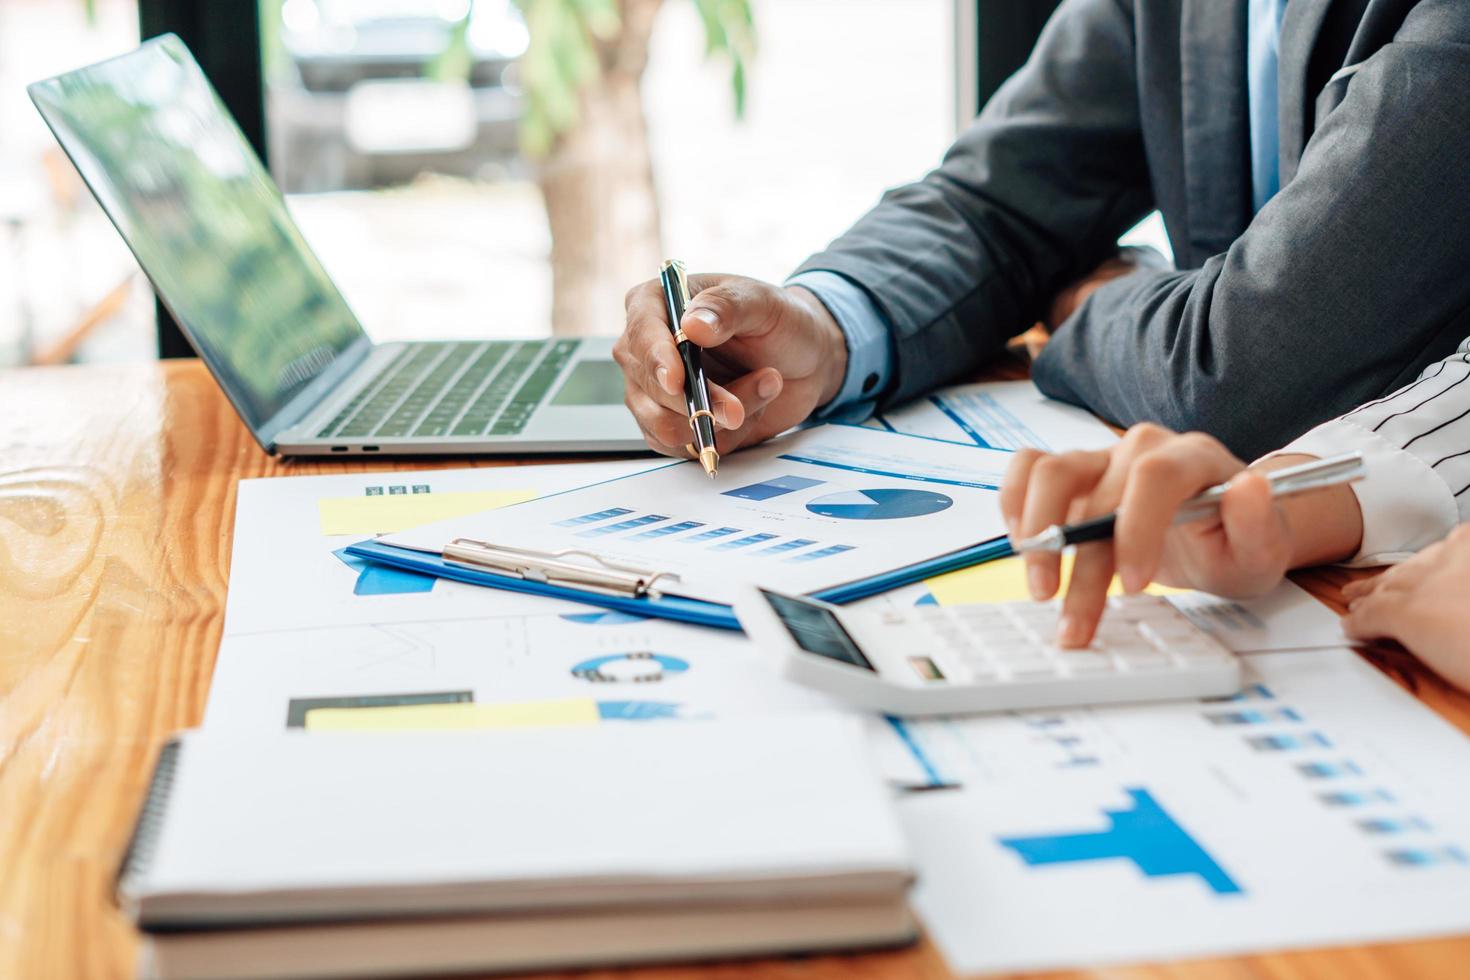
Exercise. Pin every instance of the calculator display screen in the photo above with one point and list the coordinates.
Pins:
(816, 630)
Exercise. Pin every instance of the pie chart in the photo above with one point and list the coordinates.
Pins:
(879, 505)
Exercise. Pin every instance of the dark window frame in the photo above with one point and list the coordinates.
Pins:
(225, 38)
(992, 39)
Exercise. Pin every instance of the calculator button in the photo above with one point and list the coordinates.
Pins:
(1086, 663)
(981, 672)
(1013, 651)
(1034, 612)
(1030, 669)
(1005, 635)
(1165, 633)
(1198, 653)
(1127, 607)
(1137, 660)
(1113, 632)
(953, 637)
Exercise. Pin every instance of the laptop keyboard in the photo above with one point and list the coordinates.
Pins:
(458, 389)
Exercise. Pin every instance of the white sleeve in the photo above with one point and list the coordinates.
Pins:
(1416, 443)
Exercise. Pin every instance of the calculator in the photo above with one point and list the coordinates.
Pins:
(961, 659)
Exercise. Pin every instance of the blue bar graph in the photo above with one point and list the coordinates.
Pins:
(1143, 833)
(601, 515)
(667, 529)
(744, 542)
(637, 710)
(785, 546)
(1417, 857)
(1356, 797)
(827, 552)
(711, 534)
(1390, 825)
(627, 525)
(1253, 717)
(1289, 743)
(780, 486)
(1255, 691)
(1328, 770)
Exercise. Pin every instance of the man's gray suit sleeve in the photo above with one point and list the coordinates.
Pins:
(1348, 282)
(1033, 195)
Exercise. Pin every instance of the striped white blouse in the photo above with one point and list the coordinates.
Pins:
(1416, 442)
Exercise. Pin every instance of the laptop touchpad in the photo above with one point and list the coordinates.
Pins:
(592, 382)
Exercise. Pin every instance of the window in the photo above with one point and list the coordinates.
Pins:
(413, 182)
(68, 286)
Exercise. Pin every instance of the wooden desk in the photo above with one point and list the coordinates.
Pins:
(117, 494)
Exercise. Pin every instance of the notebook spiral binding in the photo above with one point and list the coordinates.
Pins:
(143, 846)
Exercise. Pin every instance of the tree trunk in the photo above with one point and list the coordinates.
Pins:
(597, 184)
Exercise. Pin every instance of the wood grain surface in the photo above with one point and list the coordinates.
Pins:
(117, 496)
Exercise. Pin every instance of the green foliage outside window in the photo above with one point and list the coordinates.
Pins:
(570, 42)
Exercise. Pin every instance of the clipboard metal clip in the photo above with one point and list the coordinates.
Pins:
(557, 568)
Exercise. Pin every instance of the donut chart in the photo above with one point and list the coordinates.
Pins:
(638, 667)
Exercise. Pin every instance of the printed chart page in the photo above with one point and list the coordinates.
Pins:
(289, 569)
(1321, 805)
(574, 667)
(999, 415)
(819, 508)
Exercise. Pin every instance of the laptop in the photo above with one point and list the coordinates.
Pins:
(168, 164)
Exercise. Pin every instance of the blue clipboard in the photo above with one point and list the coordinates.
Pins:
(695, 611)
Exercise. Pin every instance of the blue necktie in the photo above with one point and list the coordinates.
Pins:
(1263, 46)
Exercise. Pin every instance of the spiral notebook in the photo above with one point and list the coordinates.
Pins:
(308, 854)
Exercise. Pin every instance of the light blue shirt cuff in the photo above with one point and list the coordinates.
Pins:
(869, 344)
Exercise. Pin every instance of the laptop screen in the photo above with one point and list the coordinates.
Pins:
(174, 173)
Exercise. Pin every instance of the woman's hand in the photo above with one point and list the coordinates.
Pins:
(1424, 604)
(1245, 551)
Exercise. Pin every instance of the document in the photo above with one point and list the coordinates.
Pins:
(1319, 806)
(317, 640)
(629, 668)
(288, 570)
(815, 509)
(1287, 618)
(999, 415)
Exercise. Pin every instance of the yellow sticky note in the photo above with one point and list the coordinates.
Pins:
(398, 512)
(429, 717)
(1005, 581)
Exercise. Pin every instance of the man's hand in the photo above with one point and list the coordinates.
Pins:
(1145, 478)
(772, 355)
(1421, 604)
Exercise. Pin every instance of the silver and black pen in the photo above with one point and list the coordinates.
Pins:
(696, 389)
(1286, 482)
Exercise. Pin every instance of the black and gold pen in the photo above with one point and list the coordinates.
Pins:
(696, 389)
